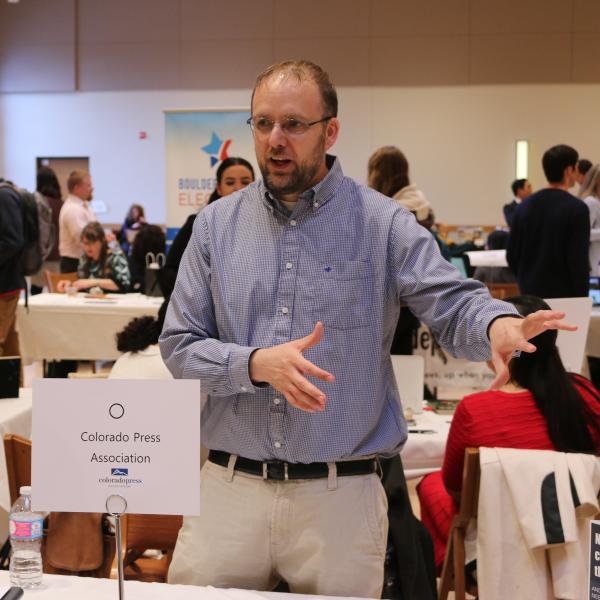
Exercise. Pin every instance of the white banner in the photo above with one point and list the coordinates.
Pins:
(94, 438)
(197, 141)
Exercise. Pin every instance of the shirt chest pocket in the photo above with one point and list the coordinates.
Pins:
(341, 294)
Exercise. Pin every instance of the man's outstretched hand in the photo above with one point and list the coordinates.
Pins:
(284, 368)
(509, 335)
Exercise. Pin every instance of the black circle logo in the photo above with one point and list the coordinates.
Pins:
(116, 411)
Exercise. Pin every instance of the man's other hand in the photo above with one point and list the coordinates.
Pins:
(509, 335)
(284, 368)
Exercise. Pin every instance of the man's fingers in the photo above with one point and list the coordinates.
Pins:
(299, 399)
(312, 339)
(501, 368)
(311, 369)
(560, 325)
(524, 346)
(310, 390)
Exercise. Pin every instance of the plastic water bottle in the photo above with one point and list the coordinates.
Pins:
(26, 529)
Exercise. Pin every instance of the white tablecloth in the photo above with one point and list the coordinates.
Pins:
(424, 452)
(57, 326)
(61, 587)
(15, 417)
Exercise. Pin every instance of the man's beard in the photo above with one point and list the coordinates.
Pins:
(298, 180)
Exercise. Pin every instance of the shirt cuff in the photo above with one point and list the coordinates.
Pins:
(239, 375)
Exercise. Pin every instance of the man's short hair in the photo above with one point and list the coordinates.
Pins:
(556, 160)
(303, 70)
(75, 178)
(517, 184)
(584, 165)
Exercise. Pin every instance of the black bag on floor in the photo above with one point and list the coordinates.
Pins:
(409, 571)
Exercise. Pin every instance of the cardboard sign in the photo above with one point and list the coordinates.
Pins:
(94, 438)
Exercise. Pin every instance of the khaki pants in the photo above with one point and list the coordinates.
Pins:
(322, 536)
(9, 341)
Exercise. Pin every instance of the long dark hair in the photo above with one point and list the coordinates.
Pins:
(388, 170)
(47, 183)
(93, 232)
(151, 238)
(542, 372)
(229, 162)
(130, 219)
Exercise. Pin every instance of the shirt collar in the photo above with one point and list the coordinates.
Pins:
(76, 199)
(317, 195)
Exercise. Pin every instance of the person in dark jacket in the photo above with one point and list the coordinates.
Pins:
(12, 242)
(233, 174)
(550, 236)
(521, 188)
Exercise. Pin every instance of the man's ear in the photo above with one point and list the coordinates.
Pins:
(332, 131)
(569, 175)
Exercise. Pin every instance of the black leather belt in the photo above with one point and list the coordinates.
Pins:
(282, 471)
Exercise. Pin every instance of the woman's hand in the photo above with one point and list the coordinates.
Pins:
(61, 286)
(84, 284)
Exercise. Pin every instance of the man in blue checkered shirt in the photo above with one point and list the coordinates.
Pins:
(285, 307)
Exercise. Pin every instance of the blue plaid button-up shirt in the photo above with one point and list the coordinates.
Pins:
(253, 276)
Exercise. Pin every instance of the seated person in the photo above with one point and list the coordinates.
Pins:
(150, 238)
(497, 240)
(100, 266)
(542, 407)
(139, 341)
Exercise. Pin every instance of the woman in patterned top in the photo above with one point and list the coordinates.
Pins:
(100, 266)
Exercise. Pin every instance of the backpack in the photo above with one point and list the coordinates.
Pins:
(31, 258)
(46, 228)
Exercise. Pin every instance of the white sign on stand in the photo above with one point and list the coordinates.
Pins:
(138, 439)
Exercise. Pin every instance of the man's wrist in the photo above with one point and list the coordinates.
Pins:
(252, 376)
(497, 317)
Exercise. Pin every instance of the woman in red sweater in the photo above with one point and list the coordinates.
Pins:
(542, 407)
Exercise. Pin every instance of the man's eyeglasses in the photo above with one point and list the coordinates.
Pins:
(290, 126)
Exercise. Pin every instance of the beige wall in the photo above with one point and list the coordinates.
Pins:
(66, 45)
(459, 139)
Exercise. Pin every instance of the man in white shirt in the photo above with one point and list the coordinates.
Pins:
(75, 214)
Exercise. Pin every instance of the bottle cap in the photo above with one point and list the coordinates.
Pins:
(25, 490)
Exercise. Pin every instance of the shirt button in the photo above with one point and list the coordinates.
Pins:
(293, 223)
(288, 265)
(243, 388)
(316, 204)
(276, 400)
(277, 444)
(285, 310)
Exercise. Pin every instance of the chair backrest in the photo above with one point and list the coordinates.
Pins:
(17, 450)
(503, 290)
(453, 574)
(52, 279)
(158, 532)
(469, 495)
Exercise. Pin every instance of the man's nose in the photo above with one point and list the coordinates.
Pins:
(277, 137)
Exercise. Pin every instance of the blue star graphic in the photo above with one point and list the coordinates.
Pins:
(214, 146)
